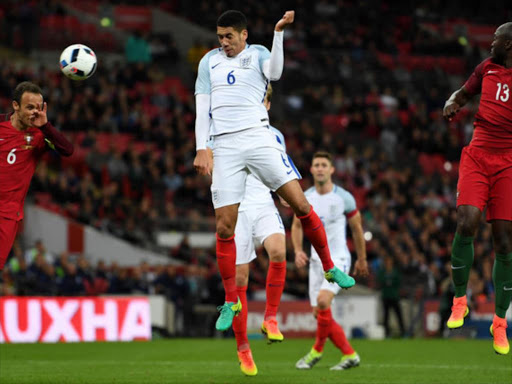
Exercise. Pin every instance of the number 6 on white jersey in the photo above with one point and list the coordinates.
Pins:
(11, 157)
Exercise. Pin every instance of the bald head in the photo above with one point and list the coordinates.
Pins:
(505, 30)
(501, 48)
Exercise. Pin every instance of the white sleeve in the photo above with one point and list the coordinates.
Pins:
(273, 67)
(202, 120)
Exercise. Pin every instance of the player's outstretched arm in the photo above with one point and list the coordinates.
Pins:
(456, 101)
(356, 227)
(273, 67)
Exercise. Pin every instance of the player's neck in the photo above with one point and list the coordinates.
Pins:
(324, 188)
(16, 122)
(508, 62)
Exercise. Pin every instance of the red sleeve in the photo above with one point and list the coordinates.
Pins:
(474, 84)
(350, 214)
(59, 141)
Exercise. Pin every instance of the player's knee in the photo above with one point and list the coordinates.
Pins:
(277, 255)
(225, 229)
(323, 303)
(242, 279)
(302, 208)
(502, 243)
(468, 218)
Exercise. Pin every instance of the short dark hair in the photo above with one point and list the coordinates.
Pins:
(232, 18)
(323, 154)
(23, 87)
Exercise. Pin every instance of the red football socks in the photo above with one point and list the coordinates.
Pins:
(315, 232)
(275, 284)
(240, 321)
(339, 339)
(226, 260)
(323, 328)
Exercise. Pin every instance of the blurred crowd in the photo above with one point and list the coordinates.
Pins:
(133, 127)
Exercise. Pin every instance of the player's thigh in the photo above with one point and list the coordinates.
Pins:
(8, 230)
(229, 174)
(243, 239)
(499, 206)
(473, 184)
(268, 230)
(267, 160)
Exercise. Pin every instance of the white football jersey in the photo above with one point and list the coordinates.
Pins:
(332, 209)
(237, 88)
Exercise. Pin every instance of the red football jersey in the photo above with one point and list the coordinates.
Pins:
(20, 152)
(493, 121)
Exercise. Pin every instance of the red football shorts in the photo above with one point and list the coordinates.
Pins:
(8, 230)
(485, 179)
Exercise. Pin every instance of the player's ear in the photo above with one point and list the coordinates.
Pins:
(332, 169)
(244, 34)
(15, 105)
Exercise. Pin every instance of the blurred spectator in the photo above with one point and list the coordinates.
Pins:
(39, 249)
(195, 54)
(71, 284)
(137, 49)
(389, 278)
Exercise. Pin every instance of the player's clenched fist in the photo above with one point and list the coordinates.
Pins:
(202, 163)
(286, 20)
(450, 110)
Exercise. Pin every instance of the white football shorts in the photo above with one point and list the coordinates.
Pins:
(237, 154)
(317, 280)
(252, 228)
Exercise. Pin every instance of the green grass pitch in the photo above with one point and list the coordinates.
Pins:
(209, 361)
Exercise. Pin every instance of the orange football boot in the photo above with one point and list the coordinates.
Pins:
(247, 365)
(459, 311)
(499, 333)
(269, 328)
